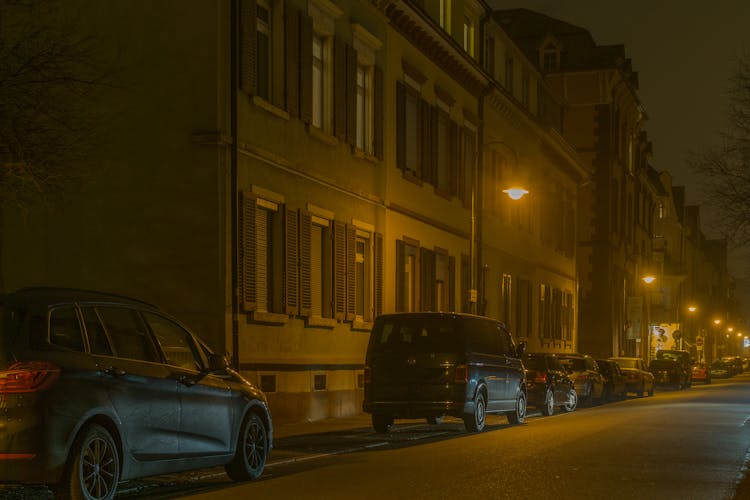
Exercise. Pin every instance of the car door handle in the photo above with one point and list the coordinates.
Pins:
(114, 371)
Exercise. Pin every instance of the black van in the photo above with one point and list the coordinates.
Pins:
(428, 365)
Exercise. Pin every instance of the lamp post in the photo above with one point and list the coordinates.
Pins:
(711, 341)
(692, 309)
(648, 279)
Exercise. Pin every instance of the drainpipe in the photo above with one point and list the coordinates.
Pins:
(233, 72)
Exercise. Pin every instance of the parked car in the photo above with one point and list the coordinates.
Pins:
(547, 383)
(429, 365)
(721, 369)
(637, 378)
(98, 388)
(669, 373)
(735, 363)
(585, 374)
(614, 380)
(685, 363)
(701, 373)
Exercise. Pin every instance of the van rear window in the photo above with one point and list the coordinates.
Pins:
(416, 335)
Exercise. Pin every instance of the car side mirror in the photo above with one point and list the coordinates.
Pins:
(217, 363)
(521, 349)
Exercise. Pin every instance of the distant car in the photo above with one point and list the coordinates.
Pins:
(701, 373)
(637, 378)
(97, 388)
(684, 362)
(547, 384)
(614, 380)
(735, 363)
(721, 369)
(428, 365)
(582, 368)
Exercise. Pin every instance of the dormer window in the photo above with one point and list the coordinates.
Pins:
(549, 56)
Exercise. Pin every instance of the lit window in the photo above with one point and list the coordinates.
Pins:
(445, 15)
(320, 268)
(365, 115)
(363, 277)
(469, 35)
(321, 81)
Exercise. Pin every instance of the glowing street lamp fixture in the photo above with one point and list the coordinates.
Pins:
(648, 279)
(515, 193)
(730, 329)
(692, 309)
(717, 321)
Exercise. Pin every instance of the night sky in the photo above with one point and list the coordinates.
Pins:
(685, 52)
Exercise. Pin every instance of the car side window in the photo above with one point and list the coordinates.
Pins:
(506, 343)
(65, 329)
(98, 341)
(176, 343)
(128, 333)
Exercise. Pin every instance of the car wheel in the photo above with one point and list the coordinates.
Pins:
(434, 420)
(252, 450)
(475, 422)
(651, 391)
(572, 403)
(640, 390)
(519, 415)
(382, 423)
(549, 403)
(93, 467)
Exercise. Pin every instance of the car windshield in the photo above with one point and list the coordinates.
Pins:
(417, 334)
(628, 363)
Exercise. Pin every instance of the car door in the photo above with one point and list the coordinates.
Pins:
(142, 390)
(512, 367)
(207, 425)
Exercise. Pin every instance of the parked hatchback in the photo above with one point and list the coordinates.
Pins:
(429, 365)
(614, 380)
(637, 378)
(585, 375)
(98, 388)
(547, 383)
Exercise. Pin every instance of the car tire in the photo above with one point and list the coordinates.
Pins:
(382, 423)
(572, 403)
(518, 416)
(252, 450)
(548, 408)
(640, 390)
(476, 421)
(651, 391)
(93, 467)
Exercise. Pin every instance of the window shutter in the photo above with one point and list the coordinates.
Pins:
(400, 278)
(246, 249)
(427, 274)
(455, 154)
(248, 47)
(378, 281)
(305, 67)
(339, 88)
(339, 269)
(305, 265)
(378, 112)
(291, 271)
(351, 95)
(451, 283)
(425, 139)
(292, 59)
(351, 265)
(400, 125)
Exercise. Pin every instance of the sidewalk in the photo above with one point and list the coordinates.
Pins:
(333, 424)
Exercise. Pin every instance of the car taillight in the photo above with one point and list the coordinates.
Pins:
(461, 373)
(540, 377)
(28, 376)
(368, 375)
(582, 378)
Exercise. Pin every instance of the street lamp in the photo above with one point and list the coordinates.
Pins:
(648, 279)
(515, 193)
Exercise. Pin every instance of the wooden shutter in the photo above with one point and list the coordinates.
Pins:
(401, 125)
(451, 283)
(378, 281)
(292, 59)
(305, 264)
(378, 112)
(425, 140)
(291, 269)
(427, 275)
(339, 270)
(339, 88)
(305, 68)
(454, 158)
(248, 47)
(351, 95)
(400, 278)
(247, 255)
(351, 273)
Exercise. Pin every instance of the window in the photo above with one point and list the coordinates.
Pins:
(409, 130)
(445, 15)
(468, 41)
(321, 254)
(489, 55)
(406, 275)
(550, 58)
(363, 282)
(263, 61)
(509, 74)
(545, 312)
(368, 93)
(177, 344)
(364, 113)
(268, 271)
(64, 329)
(130, 339)
(322, 83)
(443, 148)
(506, 291)
(467, 166)
(522, 326)
(98, 341)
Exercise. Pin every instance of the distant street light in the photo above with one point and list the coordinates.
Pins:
(648, 279)
(515, 193)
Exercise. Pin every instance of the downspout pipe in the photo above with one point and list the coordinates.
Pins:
(233, 83)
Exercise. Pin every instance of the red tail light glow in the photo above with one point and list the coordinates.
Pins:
(28, 376)
(368, 375)
(461, 374)
(540, 377)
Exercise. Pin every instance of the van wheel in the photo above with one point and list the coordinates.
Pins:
(252, 450)
(475, 422)
(93, 468)
(382, 423)
(572, 403)
(519, 415)
(549, 403)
